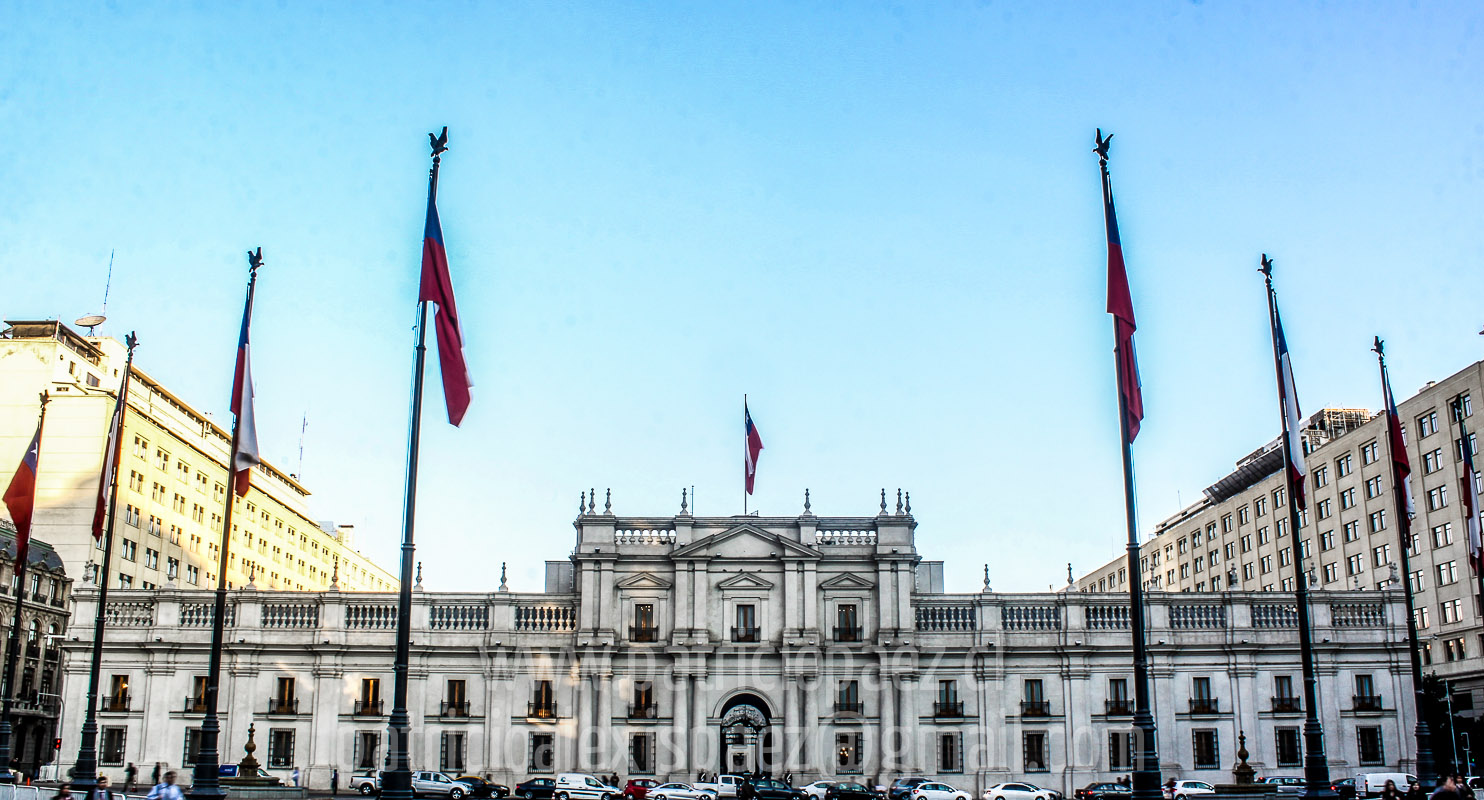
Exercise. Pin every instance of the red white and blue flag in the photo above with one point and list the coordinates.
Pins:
(110, 458)
(1292, 429)
(753, 446)
(437, 288)
(20, 496)
(1401, 466)
(1469, 492)
(1121, 306)
(245, 457)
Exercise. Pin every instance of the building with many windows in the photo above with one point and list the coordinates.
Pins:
(802, 646)
(37, 691)
(1236, 537)
(172, 482)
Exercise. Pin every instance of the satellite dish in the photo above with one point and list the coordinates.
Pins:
(90, 322)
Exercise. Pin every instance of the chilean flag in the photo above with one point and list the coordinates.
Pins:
(246, 455)
(1401, 467)
(110, 457)
(1470, 495)
(1288, 396)
(1121, 306)
(754, 446)
(437, 288)
(20, 497)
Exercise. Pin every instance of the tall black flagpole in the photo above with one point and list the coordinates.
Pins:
(1456, 406)
(396, 781)
(206, 778)
(85, 772)
(1146, 775)
(1426, 771)
(13, 642)
(1316, 765)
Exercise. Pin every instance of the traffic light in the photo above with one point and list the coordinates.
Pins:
(57, 743)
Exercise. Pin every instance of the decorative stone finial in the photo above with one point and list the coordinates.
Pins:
(418, 587)
(682, 500)
(249, 765)
(806, 500)
(909, 504)
(899, 502)
(335, 576)
(592, 501)
(1243, 772)
(581, 503)
(883, 501)
(986, 578)
(608, 502)
(252, 575)
(1070, 580)
(503, 587)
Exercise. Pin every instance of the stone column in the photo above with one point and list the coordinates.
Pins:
(604, 748)
(811, 596)
(583, 715)
(909, 714)
(791, 728)
(888, 717)
(679, 766)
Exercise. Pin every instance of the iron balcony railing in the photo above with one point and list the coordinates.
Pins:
(454, 708)
(116, 703)
(1287, 705)
(1122, 707)
(748, 635)
(195, 705)
(1367, 702)
(948, 708)
(644, 633)
(283, 706)
(847, 633)
(542, 709)
(1205, 705)
(1035, 708)
(366, 708)
(643, 711)
(849, 707)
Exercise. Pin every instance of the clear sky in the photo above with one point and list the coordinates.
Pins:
(881, 221)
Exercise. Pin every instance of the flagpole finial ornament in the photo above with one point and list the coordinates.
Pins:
(1102, 147)
(608, 503)
(254, 261)
(806, 500)
(1267, 267)
(439, 143)
(1379, 348)
(131, 341)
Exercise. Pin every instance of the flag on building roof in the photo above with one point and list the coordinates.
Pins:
(437, 288)
(245, 457)
(1121, 306)
(1292, 424)
(1470, 497)
(20, 496)
(1401, 466)
(752, 447)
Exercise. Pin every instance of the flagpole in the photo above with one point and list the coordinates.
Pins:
(1145, 776)
(1316, 765)
(85, 771)
(396, 781)
(1476, 562)
(206, 777)
(1425, 767)
(13, 641)
(745, 453)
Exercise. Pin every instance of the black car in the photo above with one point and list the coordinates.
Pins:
(901, 788)
(850, 791)
(769, 789)
(1104, 791)
(536, 789)
(479, 787)
(1345, 788)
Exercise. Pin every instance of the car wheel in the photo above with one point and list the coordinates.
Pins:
(367, 789)
(455, 794)
(560, 796)
(529, 795)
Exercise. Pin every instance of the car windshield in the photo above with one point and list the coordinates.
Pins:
(852, 787)
(769, 784)
(1199, 785)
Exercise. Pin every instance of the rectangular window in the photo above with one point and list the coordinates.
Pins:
(1206, 755)
(1260, 506)
(1262, 535)
(644, 707)
(1368, 453)
(1226, 523)
(1447, 573)
(1432, 461)
(283, 700)
(848, 752)
(849, 701)
(950, 752)
(1442, 535)
(1370, 745)
(1416, 580)
(1120, 750)
(1450, 610)
(1244, 515)
(281, 748)
(746, 627)
(1427, 424)
(1266, 563)
(1347, 499)
(455, 698)
(1342, 466)
(1247, 543)
(645, 629)
(543, 752)
(192, 752)
(847, 623)
(1289, 752)
(1420, 615)
(111, 754)
(543, 700)
(1381, 556)
(1331, 572)
(1352, 565)
(1321, 476)
(1437, 498)
(1322, 509)
(1373, 488)
(452, 752)
(1034, 746)
(1246, 572)
(1378, 520)
(367, 754)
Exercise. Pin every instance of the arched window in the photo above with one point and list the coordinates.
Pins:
(35, 631)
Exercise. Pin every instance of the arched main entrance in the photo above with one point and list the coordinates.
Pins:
(746, 737)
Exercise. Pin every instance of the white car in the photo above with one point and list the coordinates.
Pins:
(677, 791)
(817, 789)
(581, 786)
(937, 791)
(1018, 791)
(1184, 789)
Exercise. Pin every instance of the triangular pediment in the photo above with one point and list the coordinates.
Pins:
(847, 580)
(744, 541)
(644, 580)
(745, 580)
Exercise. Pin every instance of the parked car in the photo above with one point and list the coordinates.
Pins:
(679, 791)
(930, 790)
(1370, 784)
(638, 788)
(816, 789)
(1284, 784)
(1104, 791)
(1344, 788)
(367, 783)
(582, 786)
(770, 789)
(901, 788)
(1018, 791)
(1181, 790)
(850, 791)
(426, 783)
(535, 789)
(723, 786)
(232, 771)
(479, 787)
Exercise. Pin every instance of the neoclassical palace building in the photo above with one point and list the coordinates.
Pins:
(803, 646)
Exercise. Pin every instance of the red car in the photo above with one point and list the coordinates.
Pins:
(637, 788)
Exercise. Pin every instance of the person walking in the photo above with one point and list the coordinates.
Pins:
(296, 777)
(1389, 791)
(1447, 790)
(131, 774)
(104, 790)
(334, 781)
(64, 792)
(166, 789)
(154, 777)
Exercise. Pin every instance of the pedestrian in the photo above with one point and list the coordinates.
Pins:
(103, 790)
(335, 781)
(1447, 790)
(296, 777)
(154, 777)
(1414, 791)
(1389, 792)
(131, 774)
(166, 789)
(1464, 790)
(64, 792)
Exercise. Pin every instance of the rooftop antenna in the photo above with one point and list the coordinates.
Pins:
(92, 321)
(303, 426)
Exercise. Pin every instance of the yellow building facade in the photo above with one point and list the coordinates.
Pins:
(172, 483)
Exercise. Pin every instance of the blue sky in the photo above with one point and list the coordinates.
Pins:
(881, 221)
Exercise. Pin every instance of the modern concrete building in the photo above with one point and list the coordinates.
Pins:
(37, 691)
(803, 646)
(1236, 537)
(172, 478)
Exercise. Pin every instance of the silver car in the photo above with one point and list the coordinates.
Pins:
(677, 791)
(428, 784)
